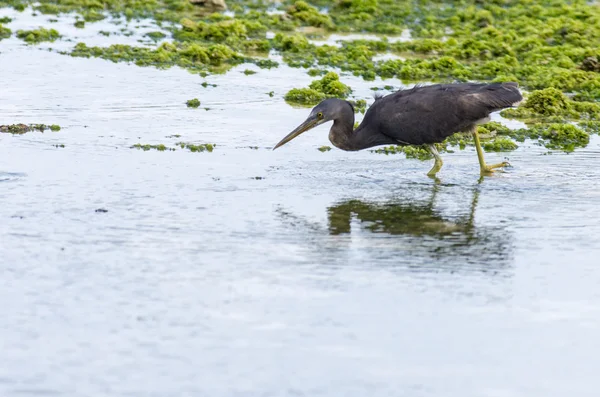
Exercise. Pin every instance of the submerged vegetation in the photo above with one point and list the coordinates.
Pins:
(204, 147)
(19, 129)
(146, 147)
(38, 35)
(549, 47)
(4, 32)
(193, 103)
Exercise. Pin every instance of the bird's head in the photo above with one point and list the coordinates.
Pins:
(328, 110)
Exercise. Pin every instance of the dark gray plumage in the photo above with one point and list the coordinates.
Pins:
(423, 115)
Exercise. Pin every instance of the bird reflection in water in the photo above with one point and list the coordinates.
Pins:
(398, 217)
(409, 233)
(423, 232)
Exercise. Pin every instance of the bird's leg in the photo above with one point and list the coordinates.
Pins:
(438, 160)
(485, 169)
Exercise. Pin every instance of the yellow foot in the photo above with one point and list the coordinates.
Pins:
(432, 172)
(489, 169)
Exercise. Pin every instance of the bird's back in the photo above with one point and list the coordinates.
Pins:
(430, 114)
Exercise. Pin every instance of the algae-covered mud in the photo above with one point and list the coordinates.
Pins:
(152, 243)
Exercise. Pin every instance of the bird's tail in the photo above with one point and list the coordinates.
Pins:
(498, 96)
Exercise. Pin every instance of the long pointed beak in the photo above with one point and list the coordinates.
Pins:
(310, 123)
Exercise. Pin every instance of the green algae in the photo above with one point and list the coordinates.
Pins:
(549, 101)
(4, 32)
(193, 103)
(19, 129)
(94, 10)
(156, 36)
(324, 148)
(411, 152)
(590, 126)
(304, 96)
(79, 24)
(308, 15)
(230, 31)
(549, 47)
(5, 20)
(145, 147)
(203, 147)
(38, 35)
(249, 72)
(329, 86)
(565, 137)
(500, 144)
(360, 106)
(191, 56)
(551, 104)
(15, 128)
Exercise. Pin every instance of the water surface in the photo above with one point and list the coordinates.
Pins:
(251, 272)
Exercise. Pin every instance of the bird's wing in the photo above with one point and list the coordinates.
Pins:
(430, 114)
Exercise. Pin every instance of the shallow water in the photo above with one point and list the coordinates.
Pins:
(332, 274)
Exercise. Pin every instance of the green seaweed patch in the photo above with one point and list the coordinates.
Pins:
(79, 24)
(38, 35)
(248, 72)
(15, 128)
(329, 86)
(4, 32)
(308, 15)
(5, 20)
(316, 72)
(206, 84)
(21, 128)
(500, 144)
(411, 152)
(145, 147)
(193, 103)
(360, 106)
(590, 126)
(191, 56)
(549, 101)
(550, 104)
(60, 145)
(92, 10)
(156, 36)
(203, 147)
(93, 15)
(555, 136)
(566, 137)
(232, 32)
(324, 149)
(304, 96)
(265, 63)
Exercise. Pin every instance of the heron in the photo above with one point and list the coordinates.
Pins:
(419, 116)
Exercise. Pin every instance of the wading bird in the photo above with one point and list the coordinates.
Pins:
(420, 116)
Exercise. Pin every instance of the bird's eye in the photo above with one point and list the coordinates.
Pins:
(320, 115)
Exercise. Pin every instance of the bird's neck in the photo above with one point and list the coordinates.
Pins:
(343, 135)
